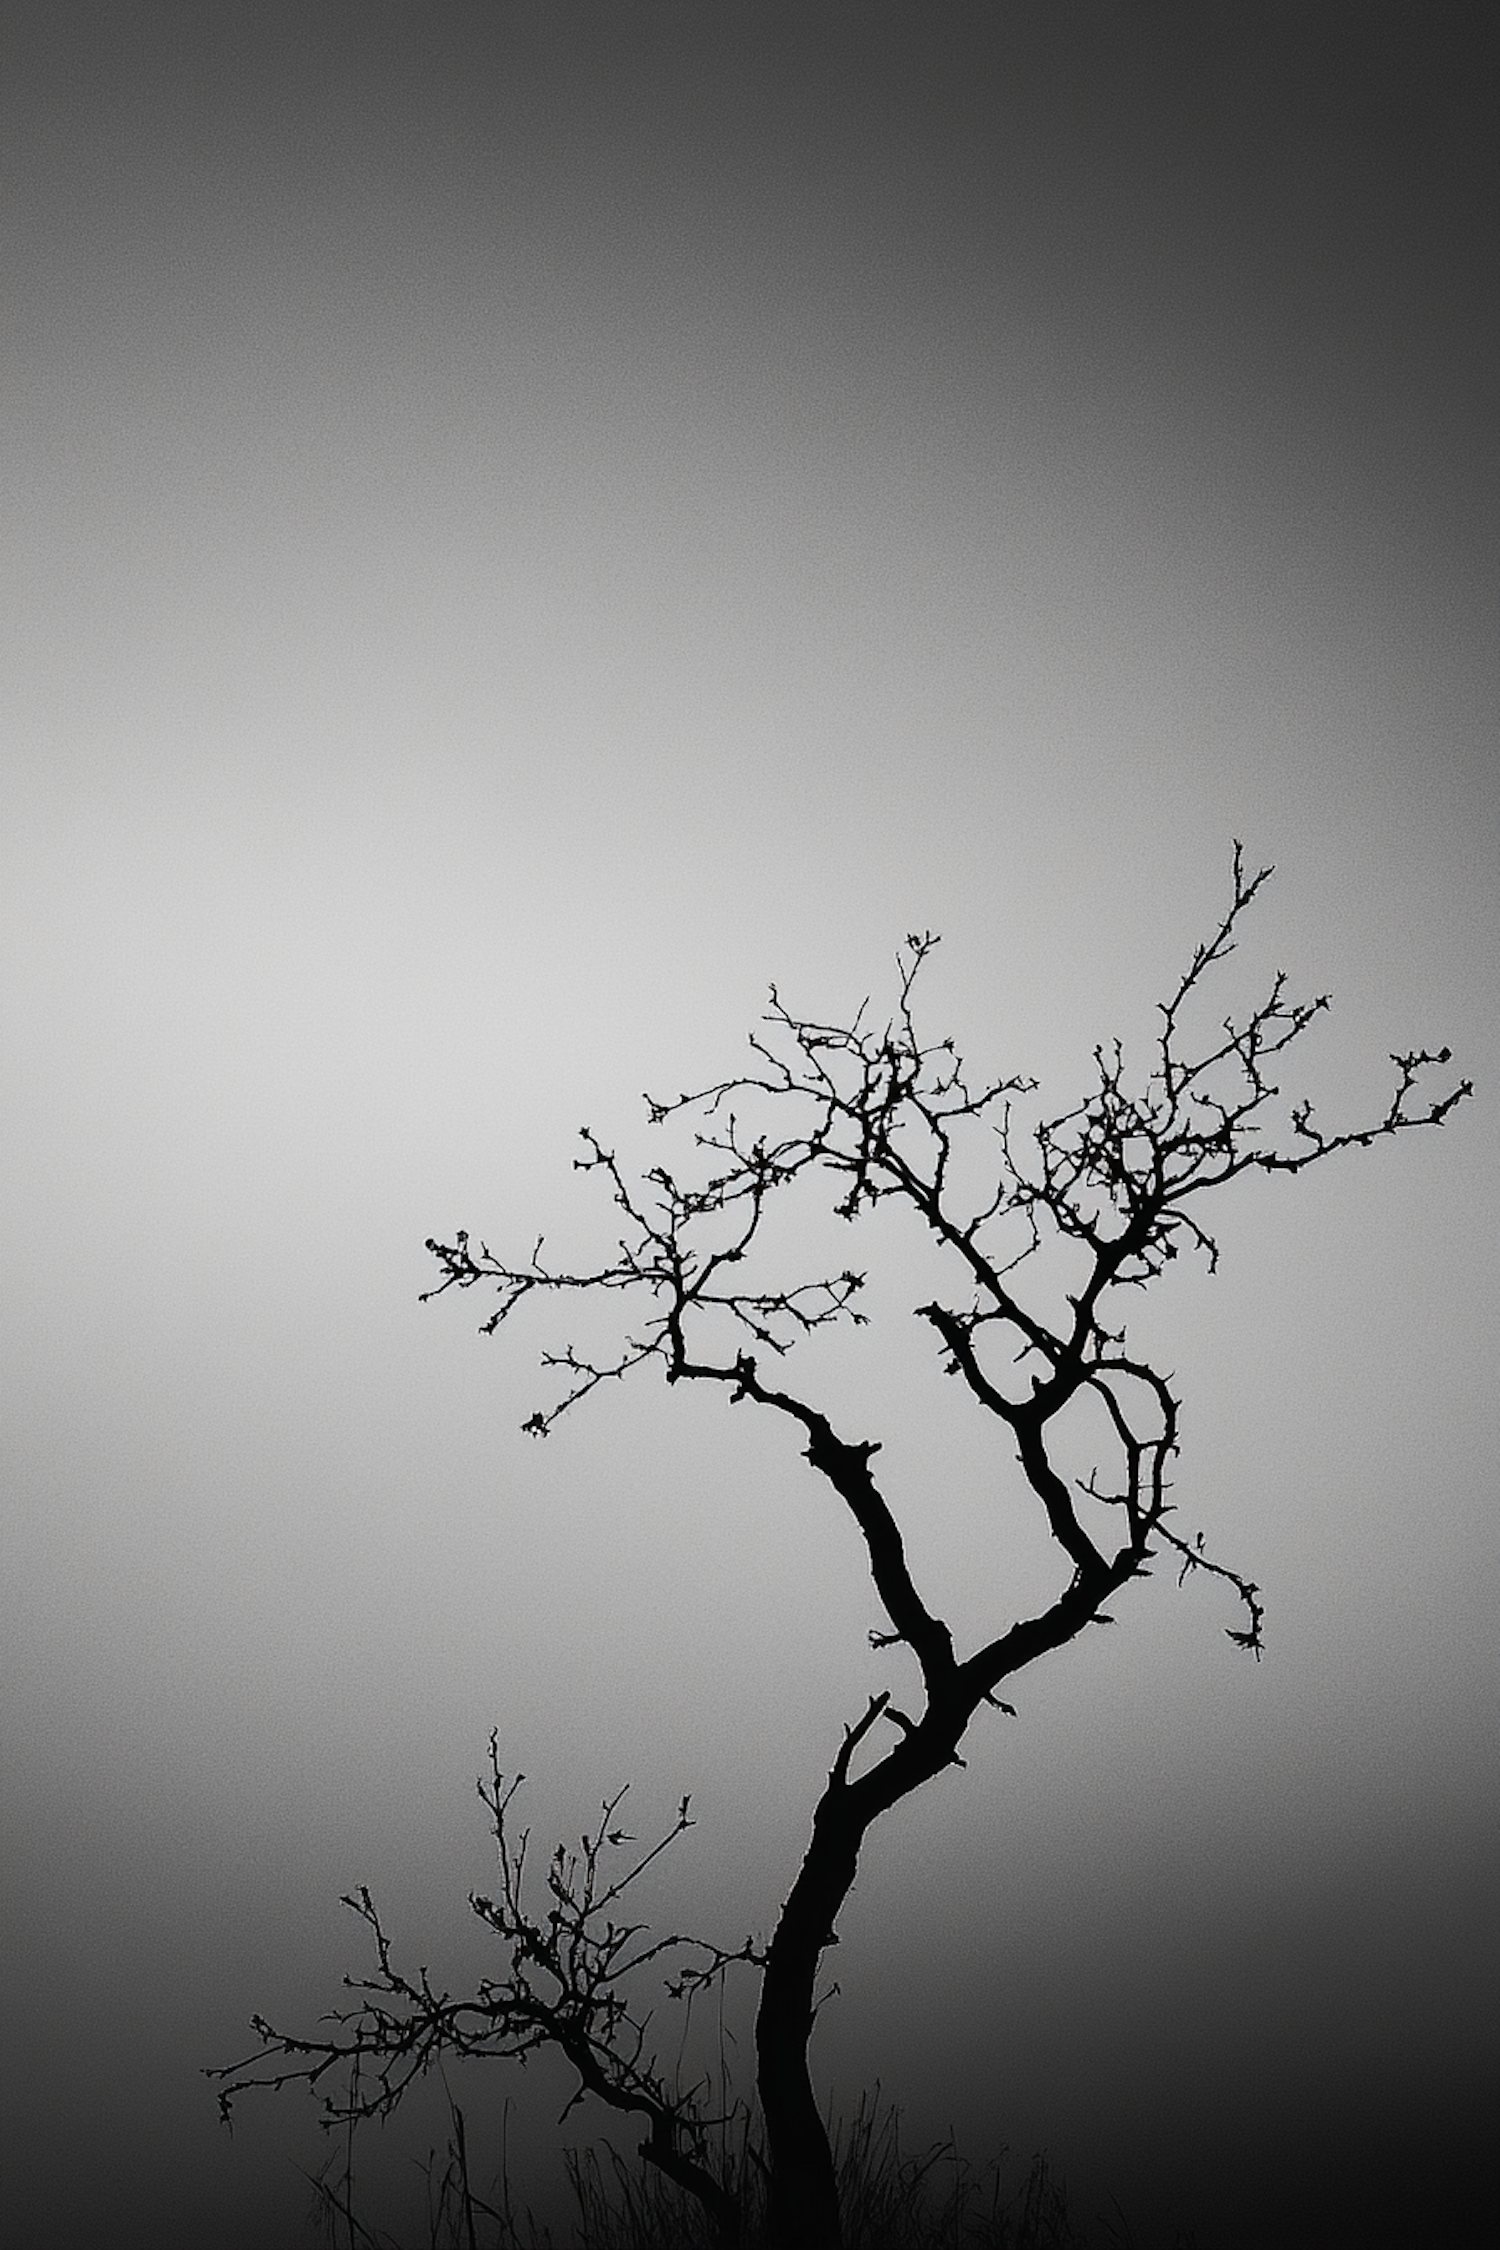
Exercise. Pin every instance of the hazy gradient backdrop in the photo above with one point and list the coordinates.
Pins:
(524, 524)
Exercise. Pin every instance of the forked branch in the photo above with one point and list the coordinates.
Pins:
(883, 1116)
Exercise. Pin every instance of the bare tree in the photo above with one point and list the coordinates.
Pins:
(1043, 1229)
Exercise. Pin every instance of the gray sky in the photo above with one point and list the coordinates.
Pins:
(523, 526)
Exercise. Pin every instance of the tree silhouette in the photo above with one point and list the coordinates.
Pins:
(1044, 1228)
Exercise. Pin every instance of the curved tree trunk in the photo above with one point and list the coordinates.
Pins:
(803, 2187)
(803, 2183)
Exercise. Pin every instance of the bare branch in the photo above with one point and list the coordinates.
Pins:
(566, 1983)
(881, 1114)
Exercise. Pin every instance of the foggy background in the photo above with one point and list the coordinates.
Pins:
(522, 526)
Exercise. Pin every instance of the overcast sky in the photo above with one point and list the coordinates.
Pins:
(523, 525)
